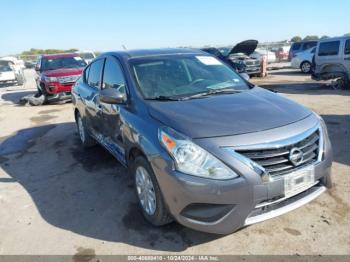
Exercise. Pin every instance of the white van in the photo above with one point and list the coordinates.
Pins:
(332, 61)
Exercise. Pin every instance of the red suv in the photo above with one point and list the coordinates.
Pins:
(56, 75)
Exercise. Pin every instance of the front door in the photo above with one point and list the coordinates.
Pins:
(112, 114)
(90, 97)
(347, 56)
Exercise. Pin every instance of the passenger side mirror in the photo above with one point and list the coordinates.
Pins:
(112, 96)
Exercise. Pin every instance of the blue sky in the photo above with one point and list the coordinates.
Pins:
(107, 25)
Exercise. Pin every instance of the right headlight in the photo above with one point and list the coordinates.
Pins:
(192, 159)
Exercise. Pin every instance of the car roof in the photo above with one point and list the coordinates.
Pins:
(138, 53)
(334, 38)
(51, 56)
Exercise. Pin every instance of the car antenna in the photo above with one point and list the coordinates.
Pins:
(124, 47)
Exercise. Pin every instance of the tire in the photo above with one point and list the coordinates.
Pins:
(85, 138)
(341, 83)
(159, 215)
(305, 67)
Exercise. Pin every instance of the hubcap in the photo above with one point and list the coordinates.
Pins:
(306, 67)
(145, 190)
(81, 129)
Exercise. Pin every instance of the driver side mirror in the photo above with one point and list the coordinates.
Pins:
(112, 96)
(37, 68)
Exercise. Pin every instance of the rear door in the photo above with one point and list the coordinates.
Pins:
(347, 56)
(89, 94)
(113, 77)
(328, 52)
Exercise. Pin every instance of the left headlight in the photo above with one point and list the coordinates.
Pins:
(51, 79)
(192, 159)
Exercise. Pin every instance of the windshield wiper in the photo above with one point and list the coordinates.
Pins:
(165, 98)
(214, 92)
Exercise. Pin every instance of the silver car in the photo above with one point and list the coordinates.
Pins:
(332, 61)
(205, 147)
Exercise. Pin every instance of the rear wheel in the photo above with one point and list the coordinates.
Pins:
(305, 67)
(148, 193)
(85, 138)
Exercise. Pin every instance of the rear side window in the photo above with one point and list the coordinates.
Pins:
(347, 47)
(329, 48)
(296, 46)
(309, 45)
(113, 75)
(94, 78)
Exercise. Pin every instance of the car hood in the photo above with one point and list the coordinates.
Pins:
(246, 47)
(64, 71)
(228, 114)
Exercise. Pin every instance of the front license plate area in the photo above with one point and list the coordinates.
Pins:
(299, 181)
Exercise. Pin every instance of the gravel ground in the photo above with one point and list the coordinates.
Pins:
(56, 198)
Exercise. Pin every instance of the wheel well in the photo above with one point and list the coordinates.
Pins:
(134, 153)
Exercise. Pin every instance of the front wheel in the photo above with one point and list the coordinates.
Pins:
(148, 193)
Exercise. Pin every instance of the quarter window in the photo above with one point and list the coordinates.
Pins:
(113, 75)
(329, 48)
(86, 74)
(347, 47)
(94, 78)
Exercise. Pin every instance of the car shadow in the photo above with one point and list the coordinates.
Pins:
(338, 127)
(85, 191)
(15, 97)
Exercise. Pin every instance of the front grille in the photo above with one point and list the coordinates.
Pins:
(277, 161)
(67, 79)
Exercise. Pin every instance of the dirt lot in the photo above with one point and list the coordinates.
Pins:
(56, 198)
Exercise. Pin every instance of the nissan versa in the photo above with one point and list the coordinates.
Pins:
(205, 147)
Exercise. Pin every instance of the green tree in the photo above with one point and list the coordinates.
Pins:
(310, 38)
(348, 34)
(296, 39)
(324, 37)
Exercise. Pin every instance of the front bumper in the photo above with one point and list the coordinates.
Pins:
(222, 207)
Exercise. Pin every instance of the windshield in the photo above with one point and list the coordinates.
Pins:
(63, 62)
(4, 68)
(183, 76)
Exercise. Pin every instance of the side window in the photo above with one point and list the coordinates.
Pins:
(347, 47)
(309, 45)
(95, 73)
(296, 46)
(329, 48)
(113, 75)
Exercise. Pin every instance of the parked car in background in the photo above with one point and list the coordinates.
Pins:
(242, 52)
(7, 73)
(332, 61)
(204, 147)
(303, 60)
(29, 64)
(300, 47)
(56, 74)
(282, 53)
(259, 53)
(88, 56)
(10, 72)
(238, 65)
